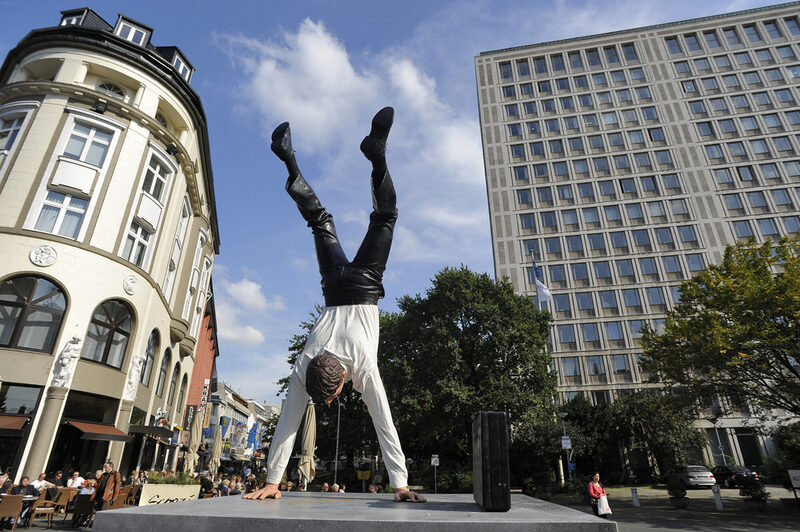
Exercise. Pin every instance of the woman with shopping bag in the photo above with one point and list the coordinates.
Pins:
(599, 497)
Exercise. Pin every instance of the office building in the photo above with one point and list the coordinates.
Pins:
(624, 163)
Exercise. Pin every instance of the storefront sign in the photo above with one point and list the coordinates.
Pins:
(203, 402)
(167, 493)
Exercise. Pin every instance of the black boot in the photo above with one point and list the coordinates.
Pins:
(374, 145)
(282, 147)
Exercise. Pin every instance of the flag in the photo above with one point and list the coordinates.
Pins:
(542, 292)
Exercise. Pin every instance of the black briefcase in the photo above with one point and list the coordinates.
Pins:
(490, 471)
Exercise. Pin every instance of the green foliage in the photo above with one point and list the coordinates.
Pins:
(753, 490)
(675, 488)
(737, 328)
(469, 344)
(166, 477)
(659, 424)
(447, 481)
(787, 442)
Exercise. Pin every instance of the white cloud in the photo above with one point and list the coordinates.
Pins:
(231, 328)
(248, 294)
(434, 150)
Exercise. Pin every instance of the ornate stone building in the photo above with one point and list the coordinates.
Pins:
(108, 233)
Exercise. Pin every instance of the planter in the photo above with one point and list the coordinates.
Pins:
(167, 493)
(752, 504)
(679, 502)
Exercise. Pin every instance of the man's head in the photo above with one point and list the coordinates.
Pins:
(326, 487)
(76, 474)
(42, 476)
(24, 481)
(325, 378)
(108, 467)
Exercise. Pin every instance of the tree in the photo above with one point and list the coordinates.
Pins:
(736, 331)
(661, 425)
(469, 344)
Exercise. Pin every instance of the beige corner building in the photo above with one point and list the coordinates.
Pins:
(626, 162)
(108, 233)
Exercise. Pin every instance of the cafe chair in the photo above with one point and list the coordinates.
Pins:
(41, 507)
(11, 507)
(83, 511)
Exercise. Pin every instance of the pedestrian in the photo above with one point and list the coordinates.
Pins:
(108, 487)
(325, 487)
(599, 497)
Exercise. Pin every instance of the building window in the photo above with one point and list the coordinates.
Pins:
(88, 144)
(132, 33)
(162, 373)
(571, 369)
(61, 214)
(183, 69)
(182, 394)
(711, 39)
(614, 332)
(136, 244)
(523, 68)
(629, 51)
(621, 367)
(149, 358)
(173, 384)
(731, 36)
(9, 129)
(673, 45)
(115, 91)
(108, 334)
(156, 178)
(31, 311)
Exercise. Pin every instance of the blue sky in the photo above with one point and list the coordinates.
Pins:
(326, 66)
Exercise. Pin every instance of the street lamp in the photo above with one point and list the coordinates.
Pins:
(721, 448)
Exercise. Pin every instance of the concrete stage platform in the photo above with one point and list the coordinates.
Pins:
(357, 512)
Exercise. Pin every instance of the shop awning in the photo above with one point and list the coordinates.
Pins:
(152, 431)
(96, 431)
(12, 422)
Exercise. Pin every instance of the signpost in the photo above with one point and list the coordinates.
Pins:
(435, 464)
(794, 476)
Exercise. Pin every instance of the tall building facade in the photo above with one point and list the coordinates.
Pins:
(108, 234)
(624, 163)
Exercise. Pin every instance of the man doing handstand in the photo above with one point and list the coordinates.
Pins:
(344, 342)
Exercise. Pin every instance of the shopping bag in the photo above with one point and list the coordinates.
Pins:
(602, 506)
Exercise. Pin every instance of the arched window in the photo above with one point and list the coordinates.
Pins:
(162, 373)
(173, 384)
(111, 89)
(149, 358)
(31, 310)
(182, 394)
(109, 331)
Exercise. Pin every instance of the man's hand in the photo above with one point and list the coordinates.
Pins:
(403, 494)
(270, 491)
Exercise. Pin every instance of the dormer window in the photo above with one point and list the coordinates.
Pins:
(182, 68)
(132, 33)
(71, 20)
(115, 91)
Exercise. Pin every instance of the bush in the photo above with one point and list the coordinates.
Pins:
(753, 490)
(675, 488)
(451, 481)
(164, 477)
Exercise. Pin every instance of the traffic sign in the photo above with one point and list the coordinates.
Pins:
(434, 460)
(566, 443)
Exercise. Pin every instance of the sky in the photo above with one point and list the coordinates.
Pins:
(327, 66)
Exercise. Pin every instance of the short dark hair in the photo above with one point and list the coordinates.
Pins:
(323, 377)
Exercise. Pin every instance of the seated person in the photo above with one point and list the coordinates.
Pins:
(225, 488)
(89, 488)
(25, 488)
(75, 480)
(41, 484)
